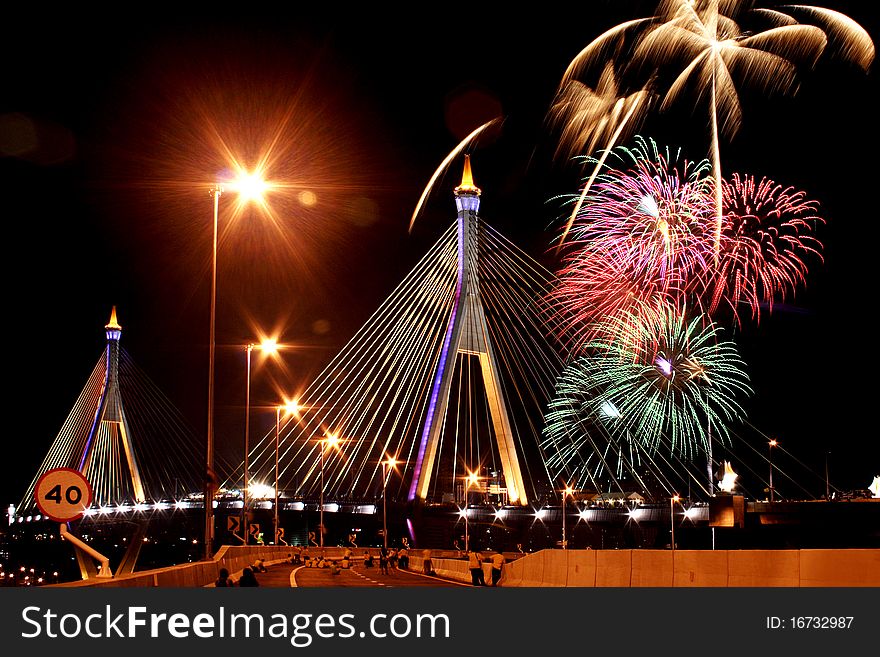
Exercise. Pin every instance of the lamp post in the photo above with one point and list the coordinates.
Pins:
(770, 447)
(471, 480)
(268, 346)
(672, 500)
(565, 493)
(333, 440)
(216, 192)
(292, 408)
(249, 186)
(390, 462)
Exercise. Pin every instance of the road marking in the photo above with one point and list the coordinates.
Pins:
(369, 579)
(293, 577)
(439, 579)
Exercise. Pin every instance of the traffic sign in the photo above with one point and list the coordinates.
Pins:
(233, 524)
(63, 494)
(254, 529)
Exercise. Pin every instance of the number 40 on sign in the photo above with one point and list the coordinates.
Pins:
(63, 494)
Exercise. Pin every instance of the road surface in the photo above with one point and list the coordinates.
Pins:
(285, 575)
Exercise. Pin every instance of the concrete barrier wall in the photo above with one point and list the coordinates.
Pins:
(840, 568)
(613, 567)
(763, 568)
(695, 568)
(699, 568)
(651, 568)
(582, 568)
(202, 573)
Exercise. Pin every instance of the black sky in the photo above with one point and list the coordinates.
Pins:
(388, 94)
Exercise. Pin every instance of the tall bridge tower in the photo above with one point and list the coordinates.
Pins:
(467, 333)
(108, 454)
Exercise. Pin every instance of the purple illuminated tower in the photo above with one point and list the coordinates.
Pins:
(108, 455)
(467, 333)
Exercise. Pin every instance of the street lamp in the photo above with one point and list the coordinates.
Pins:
(292, 408)
(770, 447)
(333, 441)
(672, 501)
(268, 346)
(389, 463)
(565, 493)
(471, 480)
(250, 186)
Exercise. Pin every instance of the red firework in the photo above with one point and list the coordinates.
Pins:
(767, 233)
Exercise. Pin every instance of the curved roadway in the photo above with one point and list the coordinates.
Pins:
(285, 575)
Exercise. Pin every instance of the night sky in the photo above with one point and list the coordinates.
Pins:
(106, 127)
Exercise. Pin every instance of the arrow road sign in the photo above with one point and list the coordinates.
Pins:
(233, 524)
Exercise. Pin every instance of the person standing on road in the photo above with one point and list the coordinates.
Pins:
(383, 561)
(476, 568)
(497, 563)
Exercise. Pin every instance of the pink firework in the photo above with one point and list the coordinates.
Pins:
(767, 233)
(642, 239)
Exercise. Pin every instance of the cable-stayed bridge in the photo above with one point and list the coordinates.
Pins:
(450, 376)
(125, 436)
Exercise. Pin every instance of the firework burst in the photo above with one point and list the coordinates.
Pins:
(667, 380)
(767, 233)
(641, 238)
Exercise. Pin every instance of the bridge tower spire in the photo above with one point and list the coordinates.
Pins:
(109, 431)
(467, 333)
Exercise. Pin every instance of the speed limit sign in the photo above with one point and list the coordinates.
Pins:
(63, 494)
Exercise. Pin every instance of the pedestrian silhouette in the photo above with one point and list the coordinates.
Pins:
(476, 568)
(248, 578)
(223, 578)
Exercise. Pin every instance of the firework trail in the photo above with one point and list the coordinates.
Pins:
(444, 164)
(715, 48)
(601, 115)
(594, 116)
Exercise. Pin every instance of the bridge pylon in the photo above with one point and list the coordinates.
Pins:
(467, 333)
(109, 439)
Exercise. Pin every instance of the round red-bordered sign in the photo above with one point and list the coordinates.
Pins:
(63, 494)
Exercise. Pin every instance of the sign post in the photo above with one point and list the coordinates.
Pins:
(64, 495)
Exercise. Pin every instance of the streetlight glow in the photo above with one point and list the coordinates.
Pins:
(333, 440)
(389, 463)
(675, 499)
(250, 186)
(566, 493)
(773, 443)
(291, 408)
